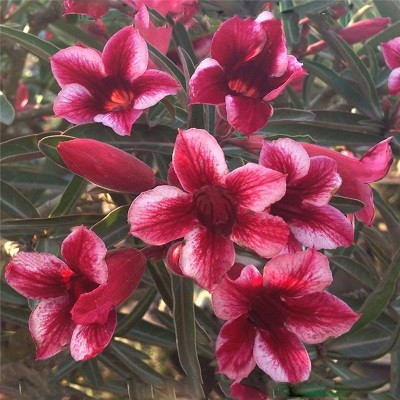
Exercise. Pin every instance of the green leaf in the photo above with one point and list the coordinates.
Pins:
(395, 373)
(181, 39)
(303, 7)
(93, 373)
(32, 43)
(283, 115)
(65, 368)
(388, 8)
(9, 295)
(22, 148)
(381, 396)
(346, 205)
(185, 332)
(48, 146)
(14, 204)
(162, 280)
(386, 34)
(378, 300)
(7, 113)
(15, 314)
(70, 196)
(114, 227)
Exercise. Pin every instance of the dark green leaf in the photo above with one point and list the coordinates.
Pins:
(181, 39)
(346, 205)
(162, 280)
(381, 396)
(48, 146)
(303, 7)
(388, 8)
(7, 113)
(395, 373)
(33, 44)
(386, 34)
(9, 295)
(93, 372)
(14, 204)
(15, 314)
(283, 115)
(65, 368)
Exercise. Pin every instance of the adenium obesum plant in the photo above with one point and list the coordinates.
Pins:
(270, 315)
(249, 67)
(113, 87)
(215, 209)
(77, 295)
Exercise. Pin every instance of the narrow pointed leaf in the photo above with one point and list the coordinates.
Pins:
(7, 113)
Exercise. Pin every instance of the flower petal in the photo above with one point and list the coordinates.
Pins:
(153, 86)
(76, 104)
(234, 348)
(84, 252)
(125, 270)
(89, 340)
(237, 41)
(298, 274)
(126, 55)
(79, 65)
(120, 121)
(241, 391)
(321, 182)
(286, 156)
(281, 355)
(394, 82)
(198, 160)
(246, 114)
(51, 326)
(161, 215)
(316, 317)
(206, 257)
(232, 298)
(391, 52)
(261, 232)
(96, 9)
(37, 275)
(255, 187)
(208, 83)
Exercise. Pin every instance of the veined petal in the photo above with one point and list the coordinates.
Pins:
(322, 227)
(151, 87)
(198, 160)
(316, 317)
(394, 82)
(51, 326)
(261, 232)
(206, 257)
(161, 215)
(120, 121)
(286, 156)
(298, 274)
(126, 55)
(89, 340)
(234, 348)
(76, 104)
(255, 187)
(208, 83)
(79, 65)
(391, 52)
(237, 41)
(96, 9)
(281, 355)
(84, 252)
(37, 275)
(241, 391)
(321, 182)
(125, 270)
(246, 114)
(233, 298)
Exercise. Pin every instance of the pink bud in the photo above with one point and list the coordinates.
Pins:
(173, 258)
(106, 166)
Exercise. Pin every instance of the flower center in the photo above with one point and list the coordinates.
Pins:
(77, 284)
(241, 87)
(267, 310)
(215, 209)
(117, 93)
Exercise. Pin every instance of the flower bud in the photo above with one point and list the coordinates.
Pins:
(173, 257)
(106, 166)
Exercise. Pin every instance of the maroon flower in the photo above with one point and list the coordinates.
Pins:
(96, 9)
(77, 296)
(356, 174)
(112, 87)
(270, 315)
(215, 208)
(391, 53)
(311, 182)
(249, 67)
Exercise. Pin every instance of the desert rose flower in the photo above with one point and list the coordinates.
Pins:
(311, 182)
(241, 391)
(78, 295)
(391, 53)
(113, 87)
(270, 315)
(95, 9)
(215, 209)
(357, 174)
(248, 68)
(106, 166)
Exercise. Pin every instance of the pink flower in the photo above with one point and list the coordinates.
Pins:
(311, 182)
(77, 296)
(95, 9)
(215, 209)
(112, 87)
(391, 53)
(106, 166)
(356, 173)
(249, 67)
(241, 391)
(270, 315)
